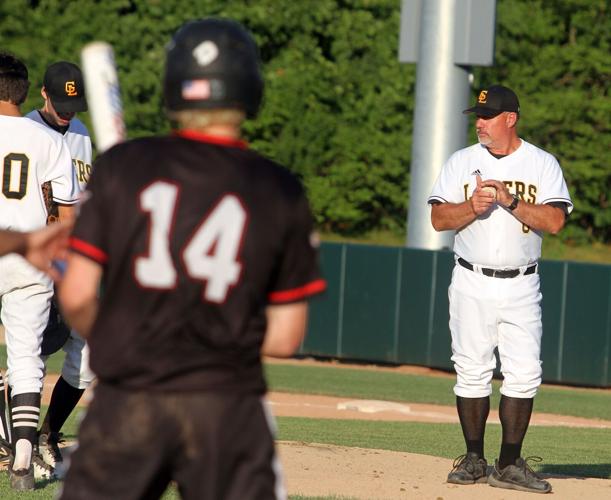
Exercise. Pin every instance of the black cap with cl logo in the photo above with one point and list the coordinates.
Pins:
(64, 85)
(494, 100)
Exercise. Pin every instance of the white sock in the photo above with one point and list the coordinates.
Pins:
(23, 454)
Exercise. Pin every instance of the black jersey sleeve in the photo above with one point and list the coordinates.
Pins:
(298, 276)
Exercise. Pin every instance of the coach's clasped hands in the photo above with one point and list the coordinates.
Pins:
(503, 196)
(482, 200)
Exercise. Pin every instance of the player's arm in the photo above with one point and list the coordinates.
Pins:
(548, 218)
(67, 213)
(78, 293)
(38, 247)
(13, 242)
(446, 216)
(286, 327)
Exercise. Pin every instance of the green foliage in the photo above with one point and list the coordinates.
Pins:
(338, 107)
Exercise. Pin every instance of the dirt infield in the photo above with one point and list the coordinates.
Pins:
(320, 470)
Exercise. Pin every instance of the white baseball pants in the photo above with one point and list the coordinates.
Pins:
(76, 369)
(26, 296)
(488, 312)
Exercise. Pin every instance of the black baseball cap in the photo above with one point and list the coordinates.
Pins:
(494, 100)
(64, 85)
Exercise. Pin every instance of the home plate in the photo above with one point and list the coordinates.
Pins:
(373, 406)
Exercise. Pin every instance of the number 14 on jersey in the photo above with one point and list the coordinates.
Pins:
(210, 255)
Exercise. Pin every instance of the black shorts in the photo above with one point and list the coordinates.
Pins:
(214, 446)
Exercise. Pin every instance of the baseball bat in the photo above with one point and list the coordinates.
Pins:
(103, 94)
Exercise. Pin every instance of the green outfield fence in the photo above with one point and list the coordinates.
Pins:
(390, 305)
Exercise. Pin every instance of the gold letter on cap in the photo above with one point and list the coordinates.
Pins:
(70, 89)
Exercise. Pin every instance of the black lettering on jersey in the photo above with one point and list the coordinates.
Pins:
(466, 188)
(83, 170)
(521, 190)
(532, 193)
(529, 195)
(24, 162)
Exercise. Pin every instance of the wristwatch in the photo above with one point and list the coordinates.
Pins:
(514, 203)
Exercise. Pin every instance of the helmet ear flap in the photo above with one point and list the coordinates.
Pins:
(212, 63)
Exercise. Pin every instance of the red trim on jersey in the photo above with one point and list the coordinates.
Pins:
(88, 250)
(219, 140)
(298, 293)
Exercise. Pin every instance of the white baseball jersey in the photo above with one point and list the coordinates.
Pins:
(497, 239)
(75, 369)
(31, 154)
(79, 143)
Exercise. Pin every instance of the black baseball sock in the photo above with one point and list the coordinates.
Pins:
(514, 414)
(63, 400)
(473, 413)
(25, 412)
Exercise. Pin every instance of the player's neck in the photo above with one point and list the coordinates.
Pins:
(9, 109)
(48, 119)
(504, 148)
(220, 130)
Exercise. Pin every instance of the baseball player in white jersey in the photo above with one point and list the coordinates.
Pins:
(64, 95)
(30, 155)
(500, 196)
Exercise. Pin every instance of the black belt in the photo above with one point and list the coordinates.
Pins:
(498, 273)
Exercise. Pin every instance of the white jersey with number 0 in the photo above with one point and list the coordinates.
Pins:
(79, 143)
(31, 154)
(497, 239)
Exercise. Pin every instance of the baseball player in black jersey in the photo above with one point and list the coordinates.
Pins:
(205, 254)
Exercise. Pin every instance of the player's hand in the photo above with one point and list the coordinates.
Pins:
(46, 245)
(503, 196)
(481, 200)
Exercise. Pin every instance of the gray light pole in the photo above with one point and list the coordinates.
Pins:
(445, 37)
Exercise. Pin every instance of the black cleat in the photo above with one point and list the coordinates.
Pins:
(519, 477)
(48, 446)
(468, 469)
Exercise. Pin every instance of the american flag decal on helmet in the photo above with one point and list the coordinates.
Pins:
(196, 89)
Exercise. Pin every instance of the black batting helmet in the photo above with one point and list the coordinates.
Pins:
(212, 63)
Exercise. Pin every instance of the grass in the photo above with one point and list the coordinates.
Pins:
(369, 384)
(553, 246)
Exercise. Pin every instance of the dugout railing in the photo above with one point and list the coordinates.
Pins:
(390, 305)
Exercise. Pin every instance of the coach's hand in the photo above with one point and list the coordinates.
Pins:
(503, 196)
(482, 200)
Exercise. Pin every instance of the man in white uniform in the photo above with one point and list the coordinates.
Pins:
(500, 196)
(30, 155)
(64, 95)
